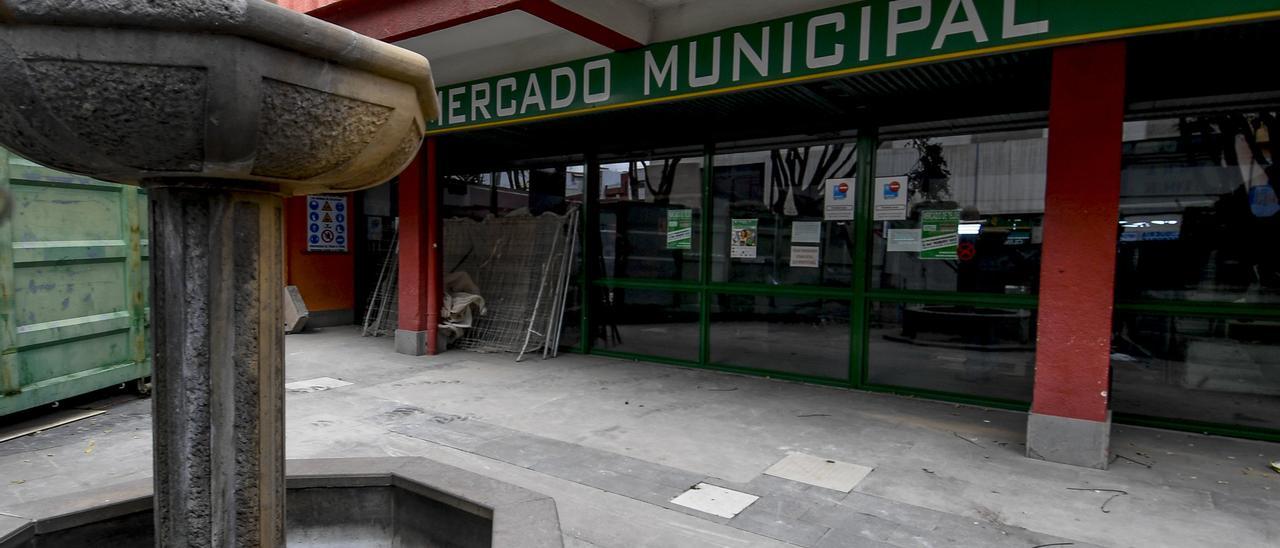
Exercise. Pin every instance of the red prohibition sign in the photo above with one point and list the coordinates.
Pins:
(967, 251)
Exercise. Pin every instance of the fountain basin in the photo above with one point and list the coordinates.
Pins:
(208, 90)
(391, 502)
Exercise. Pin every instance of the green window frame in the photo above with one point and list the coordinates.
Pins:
(859, 296)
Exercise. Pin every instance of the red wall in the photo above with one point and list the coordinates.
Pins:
(326, 280)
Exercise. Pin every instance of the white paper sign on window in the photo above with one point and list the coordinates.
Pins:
(838, 201)
(806, 232)
(804, 256)
(891, 199)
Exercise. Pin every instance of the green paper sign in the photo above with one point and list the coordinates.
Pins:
(744, 238)
(680, 229)
(939, 234)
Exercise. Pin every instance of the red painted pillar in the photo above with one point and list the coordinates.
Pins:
(1070, 419)
(435, 250)
(411, 335)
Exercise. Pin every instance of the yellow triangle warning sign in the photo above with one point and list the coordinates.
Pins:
(327, 207)
(327, 219)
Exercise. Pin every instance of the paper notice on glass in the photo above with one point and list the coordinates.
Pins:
(838, 200)
(939, 234)
(803, 232)
(891, 199)
(680, 229)
(745, 236)
(903, 240)
(804, 256)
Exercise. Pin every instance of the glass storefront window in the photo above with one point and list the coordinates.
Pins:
(468, 195)
(650, 213)
(536, 191)
(972, 350)
(648, 322)
(571, 326)
(961, 213)
(781, 194)
(1198, 209)
(785, 334)
(1215, 370)
(510, 194)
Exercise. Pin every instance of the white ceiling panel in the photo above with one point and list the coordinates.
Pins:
(502, 28)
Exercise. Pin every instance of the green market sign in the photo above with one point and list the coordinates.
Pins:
(851, 38)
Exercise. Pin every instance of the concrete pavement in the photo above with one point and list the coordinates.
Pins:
(613, 442)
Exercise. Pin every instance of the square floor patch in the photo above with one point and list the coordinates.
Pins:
(317, 384)
(718, 501)
(827, 473)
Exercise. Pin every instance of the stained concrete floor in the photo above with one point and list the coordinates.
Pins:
(613, 442)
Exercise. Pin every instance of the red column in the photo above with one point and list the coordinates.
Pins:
(421, 259)
(1070, 419)
(435, 250)
(413, 316)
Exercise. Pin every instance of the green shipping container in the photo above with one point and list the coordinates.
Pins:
(73, 285)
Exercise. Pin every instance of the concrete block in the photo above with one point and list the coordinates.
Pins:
(295, 311)
(412, 343)
(1069, 441)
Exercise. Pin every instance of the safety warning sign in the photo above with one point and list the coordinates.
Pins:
(326, 223)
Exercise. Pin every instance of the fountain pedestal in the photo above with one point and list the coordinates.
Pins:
(220, 108)
(219, 361)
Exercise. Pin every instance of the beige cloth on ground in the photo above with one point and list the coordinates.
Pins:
(462, 304)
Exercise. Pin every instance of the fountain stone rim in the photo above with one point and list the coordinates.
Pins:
(521, 518)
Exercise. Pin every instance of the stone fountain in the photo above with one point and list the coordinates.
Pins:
(220, 108)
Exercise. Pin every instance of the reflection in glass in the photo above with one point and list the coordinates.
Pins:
(974, 351)
(468, 195)
(571, 327)
(782, 189)
(1199, 209)
(650, 211)
(648, 322)
(499, 193)
(791, 335)
(1217, 370)
(995, 182)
